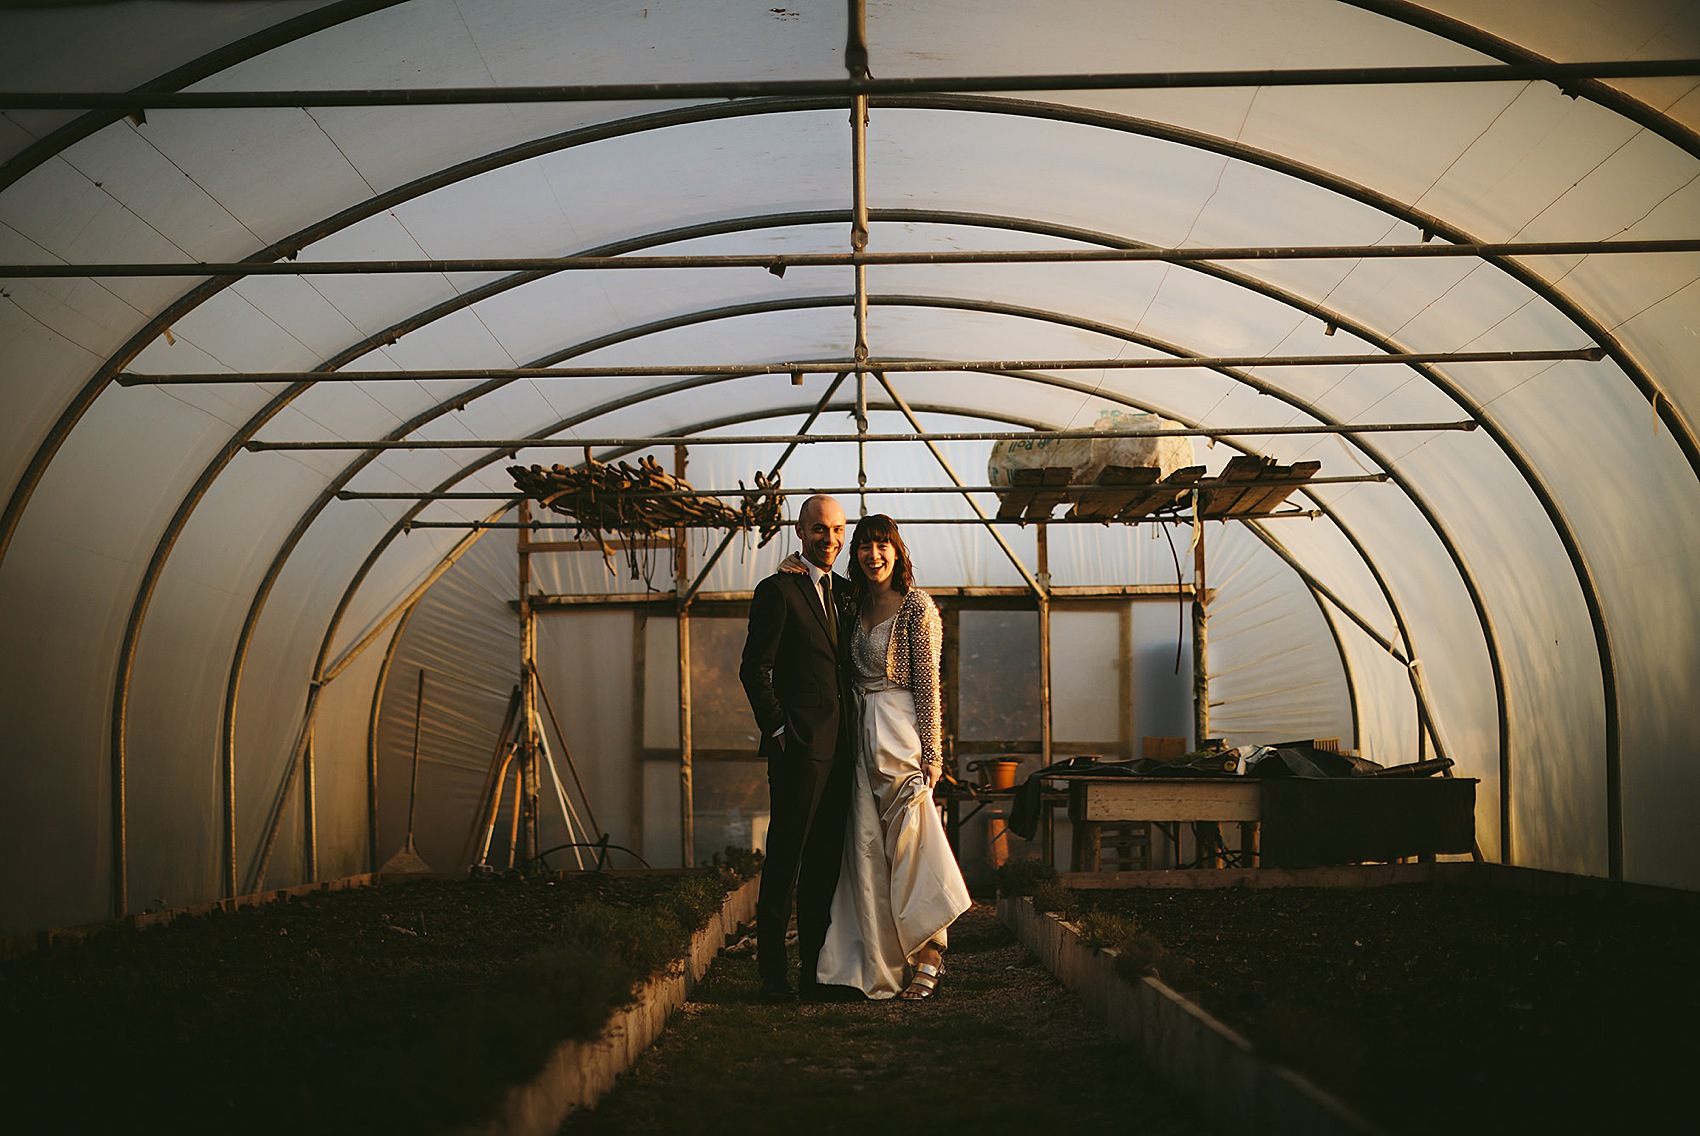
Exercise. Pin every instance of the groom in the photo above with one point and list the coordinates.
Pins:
(791, 671)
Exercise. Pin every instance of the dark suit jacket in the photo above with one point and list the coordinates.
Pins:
(790, 671)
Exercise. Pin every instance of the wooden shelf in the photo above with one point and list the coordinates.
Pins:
(1247, 487)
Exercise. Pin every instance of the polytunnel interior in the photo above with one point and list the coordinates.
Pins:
(289, 286)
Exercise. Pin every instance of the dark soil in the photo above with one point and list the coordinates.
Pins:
(1445, 1009)
(1430, 1009)
(319, 1014)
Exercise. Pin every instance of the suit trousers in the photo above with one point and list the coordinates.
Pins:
(810, 803)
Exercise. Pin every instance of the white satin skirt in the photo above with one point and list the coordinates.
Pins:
(900, 885)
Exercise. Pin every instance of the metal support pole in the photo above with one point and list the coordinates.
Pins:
(512, 445)
(944, 463)
(1200, 644)
(862, 445)
(413, 776)
(1207, 834)
(1422, 715)
(120, 851)
(726, 541)
(310, 812)
(1044, 602)
(635, 810)
(856, 63)
(831, 491)
(682, 618)
(864, 359)
(1564, 74)
(297, 751)
(663, 603)
(779, 263)
(980, 520)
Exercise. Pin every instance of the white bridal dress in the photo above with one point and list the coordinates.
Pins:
(899, 885)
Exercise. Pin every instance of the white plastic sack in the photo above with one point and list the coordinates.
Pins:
(1087, 457)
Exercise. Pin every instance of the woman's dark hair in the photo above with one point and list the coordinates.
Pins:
(875, 528)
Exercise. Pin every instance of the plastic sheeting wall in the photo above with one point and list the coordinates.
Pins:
(465, 636)
(167, 599)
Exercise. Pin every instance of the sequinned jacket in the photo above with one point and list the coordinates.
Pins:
(912, 661)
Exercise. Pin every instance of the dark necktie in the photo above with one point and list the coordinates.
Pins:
(826, 606)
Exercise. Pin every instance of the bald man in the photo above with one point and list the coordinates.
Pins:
(792, 671)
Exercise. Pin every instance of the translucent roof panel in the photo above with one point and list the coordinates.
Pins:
(275, 324)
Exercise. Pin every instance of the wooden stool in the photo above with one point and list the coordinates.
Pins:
(1122, 847)
(1125, 846)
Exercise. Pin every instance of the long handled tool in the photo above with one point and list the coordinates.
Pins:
(408, 859)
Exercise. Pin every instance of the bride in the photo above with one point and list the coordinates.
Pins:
(900, 887)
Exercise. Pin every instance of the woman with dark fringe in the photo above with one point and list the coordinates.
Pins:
(899, 888)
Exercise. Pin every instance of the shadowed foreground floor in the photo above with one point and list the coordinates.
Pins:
(1002, 1048)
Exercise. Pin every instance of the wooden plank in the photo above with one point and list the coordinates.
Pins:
(1056, 480)
(1116, 487)
(1293, 476)
(640, 702)
(1227, 490)
(1012, 502)
(1456, 873)
(1114, 799)
(1164, 494)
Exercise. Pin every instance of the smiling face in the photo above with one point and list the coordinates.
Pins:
(878, 559)
(820, 527)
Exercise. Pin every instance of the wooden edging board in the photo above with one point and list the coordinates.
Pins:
(1451, 873)
(1236, 1089)
(579, 1073)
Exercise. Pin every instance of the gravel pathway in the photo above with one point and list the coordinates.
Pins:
(1002, 1048)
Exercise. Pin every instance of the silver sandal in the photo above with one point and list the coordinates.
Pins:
(926, 980)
